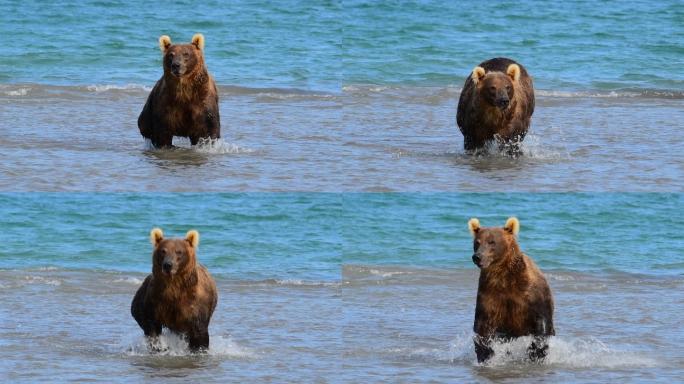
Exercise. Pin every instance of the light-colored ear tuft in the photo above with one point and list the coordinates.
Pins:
(513, 71)
(198, 41)
(512, 225)
(478, 74)
(156, 236)
(193, 238)
(164, 43)
(473, 226)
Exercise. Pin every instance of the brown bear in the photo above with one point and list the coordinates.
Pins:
(180, 294)
(184, 102)
(513, 297)
(496, 103)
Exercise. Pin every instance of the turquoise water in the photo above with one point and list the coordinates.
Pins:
(309, 236)
(324, 45)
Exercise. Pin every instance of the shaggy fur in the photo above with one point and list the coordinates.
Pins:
(180, 294)
(513, 297)
(184, 102)
(496, 103)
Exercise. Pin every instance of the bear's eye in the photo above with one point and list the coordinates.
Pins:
(491, 242)
(508, 87)
(492, 88)
(163, 252)
(186, 54)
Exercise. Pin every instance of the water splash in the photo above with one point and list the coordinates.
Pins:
(219, 146)
(204, 146)
(568, 352)
(564, 352)
(172, 344)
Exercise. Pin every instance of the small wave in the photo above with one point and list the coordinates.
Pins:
(172, 344)
(42, 280)
(449, 92)
(298, 283)
(559, 277)
(128, 280)
(17, 92)
(628, 93)
(117, 87)
(48, 269)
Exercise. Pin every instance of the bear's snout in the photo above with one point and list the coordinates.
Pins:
(176, 68)
(477, 260)
(502, 102)
(167, 266)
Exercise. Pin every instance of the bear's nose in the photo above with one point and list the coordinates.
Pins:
(175, 67)
(476, 259)
(502, 102)
(167, 266)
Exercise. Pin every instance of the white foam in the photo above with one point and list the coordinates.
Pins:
(172, 344)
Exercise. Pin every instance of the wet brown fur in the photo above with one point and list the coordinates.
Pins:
(183, 104)
(182, 301)
(513, 297)
(478, 117)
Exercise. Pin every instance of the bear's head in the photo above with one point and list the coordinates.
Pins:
(493, 246)
(182, 59)
(172, 257)
(496, 88)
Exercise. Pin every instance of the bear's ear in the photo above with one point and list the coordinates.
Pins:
(156, 236)
(198, 41)
(164, 43)
(193, 238)
(478, 74)
(512, 226)
(473, 226)
(513, 71)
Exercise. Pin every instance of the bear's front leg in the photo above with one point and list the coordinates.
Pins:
(539, 348)
(198, 338)
(213, 123)
(162, 139)
(482, 348)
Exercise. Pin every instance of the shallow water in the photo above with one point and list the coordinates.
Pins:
(341, 287)
(371, 324)
(364, 138)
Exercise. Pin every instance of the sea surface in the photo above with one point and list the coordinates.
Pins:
(332, 212)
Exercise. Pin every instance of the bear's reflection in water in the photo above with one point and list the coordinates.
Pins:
(176, 156)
